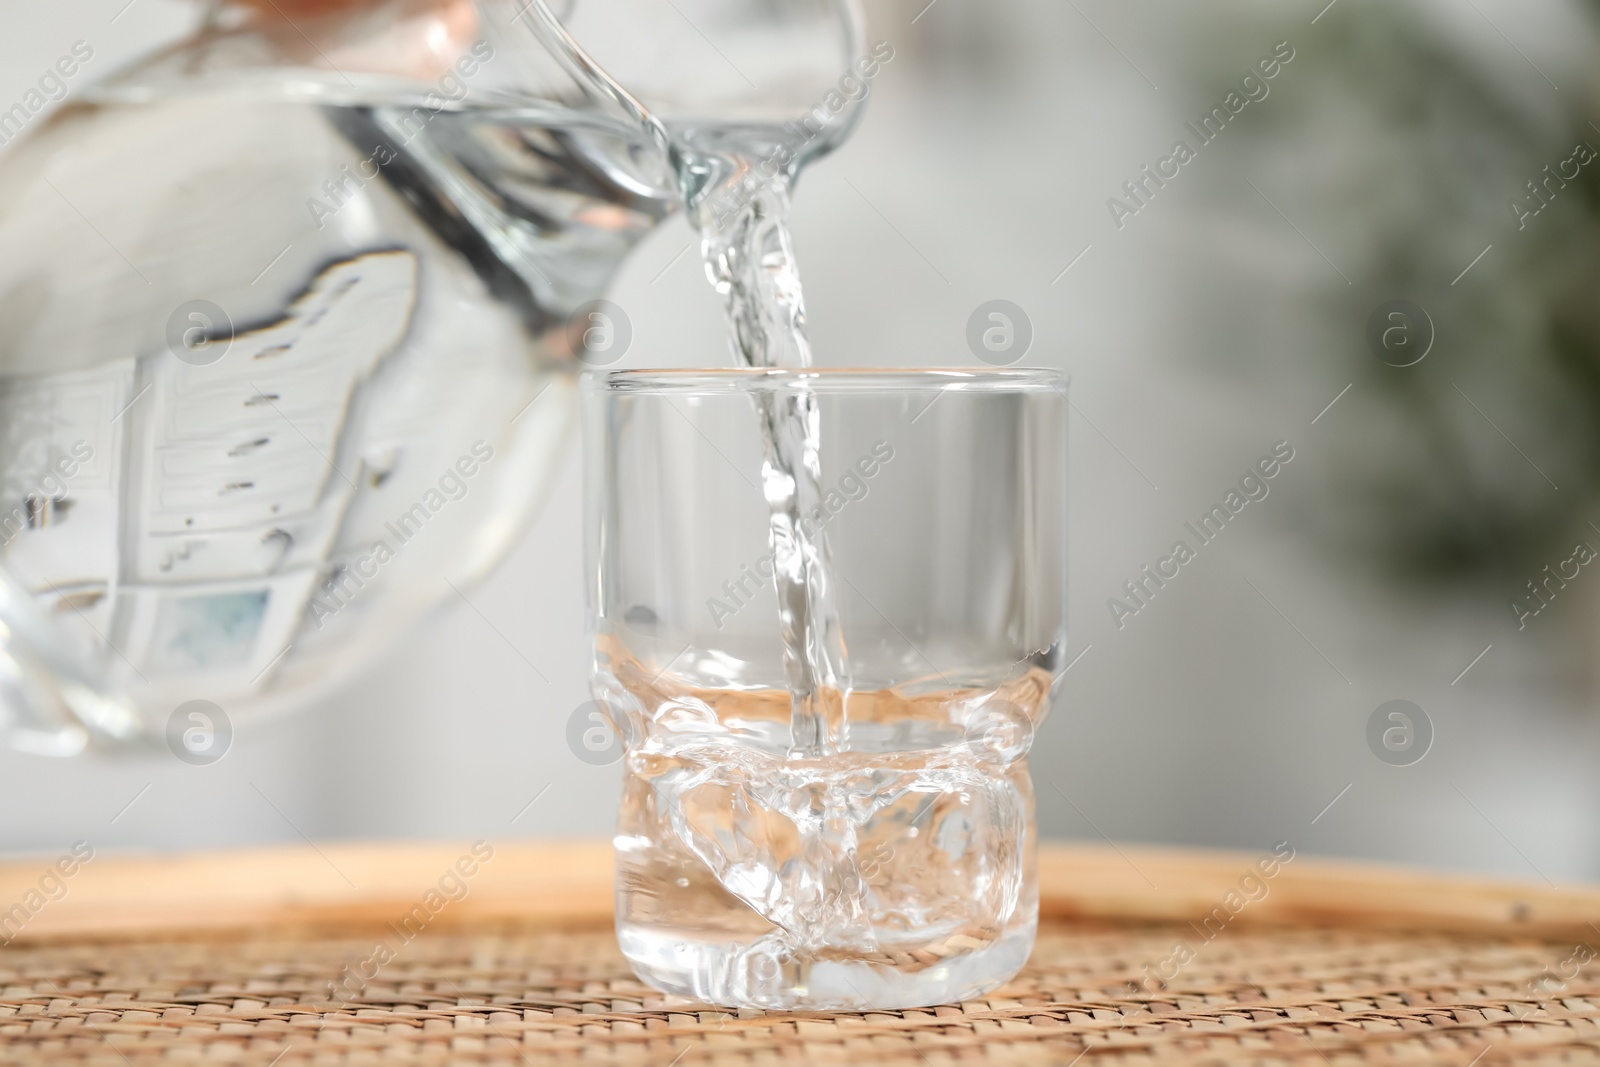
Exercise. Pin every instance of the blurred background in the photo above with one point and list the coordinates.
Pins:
(1231, 310)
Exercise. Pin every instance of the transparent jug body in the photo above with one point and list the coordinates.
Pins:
(288, 322)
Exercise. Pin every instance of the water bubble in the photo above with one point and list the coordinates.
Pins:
(600, 332)
(199, 332)
(1399, 733)
(199, 732)
(1399, 332)
(999, 332)
(768, 966)
(592, 733)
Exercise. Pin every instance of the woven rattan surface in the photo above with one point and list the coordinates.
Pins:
(231, 957)
(500, 993)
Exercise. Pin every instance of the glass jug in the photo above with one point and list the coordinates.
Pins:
(289, 315)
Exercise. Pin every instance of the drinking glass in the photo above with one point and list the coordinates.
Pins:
(872, 847)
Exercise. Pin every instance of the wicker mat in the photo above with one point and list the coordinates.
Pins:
(495, 992)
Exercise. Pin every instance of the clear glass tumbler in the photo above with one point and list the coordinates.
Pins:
(869, 844)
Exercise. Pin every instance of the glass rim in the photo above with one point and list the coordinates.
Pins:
(720, 380)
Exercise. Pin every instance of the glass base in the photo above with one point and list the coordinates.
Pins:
(856, 882)
(744, 975)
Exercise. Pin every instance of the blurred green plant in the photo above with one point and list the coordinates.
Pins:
(1400, 143)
